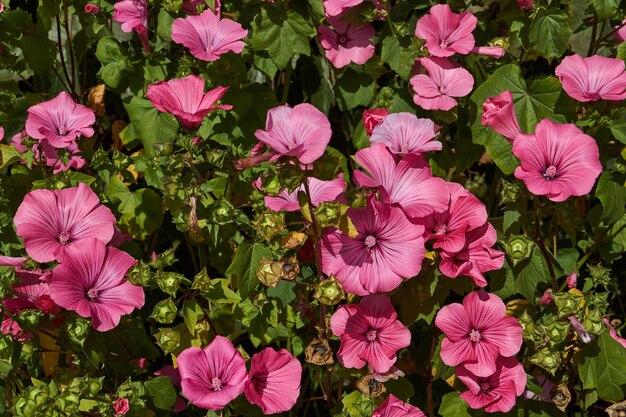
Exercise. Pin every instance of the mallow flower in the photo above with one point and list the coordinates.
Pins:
(499, 114)
(321, 191)
(337, 7)
(446, 32)
(394, 407)
(592, 78)
(31, 292)
(43, 150)
(372, 118)
(346, 42)
(436, 91)
(133, 16)
(404, 133)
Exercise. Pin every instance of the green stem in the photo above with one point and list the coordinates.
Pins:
(542, 245)
(594, 30)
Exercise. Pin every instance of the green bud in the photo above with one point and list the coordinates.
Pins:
(269, 224)
(173, 5)
(519, 248)
(222, 211)
(329, 291)
(168, 339)
(165, 311)
(566, 303)
(328, 213)
(600, 275)
(271, 185)
(140, 274)
(547, 359)
(202, 281)
(169, 282)
(78, 330)
(510, 192)
(556, 331)
(269, 272)
(95, 385)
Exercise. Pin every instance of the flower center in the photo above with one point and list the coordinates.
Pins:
(64, 237)
(474, 335)
(370, 241)
(550, 172)
(62, 131)
(405, 148)
(216, 383)
(440, 229)
(44, 303)
(443, 89)
(343, 39)
(371, 335)
(443, 43)
(92, 293)
(462, 256)
(484, 386)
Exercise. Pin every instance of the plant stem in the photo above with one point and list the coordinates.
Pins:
(541, 243)
(594, 30)
(70, 81)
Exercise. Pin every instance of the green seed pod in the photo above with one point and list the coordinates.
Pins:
(78, 330)
(547, 359)
(165, 311)
(169, 282)
(556, 331)
(168, 339)
(519, 248)
(328, 213)
(510, 192)
(329, 291)
(600, 275)
(222, 211)
(202, 281)
(271, 185)
(566, 303)
(269, 224)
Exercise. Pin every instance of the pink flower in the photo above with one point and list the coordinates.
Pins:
(477, 332)
(13, 328)
(121, 406)
(321, 191)
(394, 407)
(476, 257)
(580, 330)
(525, 5)
(496, 392)
(620, 34)
(301, 131)
(174, 375)
(208, 36)
(445, 32)
(185, 98)
(614, 334)
(12, 260)
(558, 161)
(370, 333)
(92, 8)
(593, 78)
(372, 118)
(489, 51)
(499, 114)
(337, 7)
(346, 42)
(546, 297)
(51, 155)
(408, 184)
(436, 90)
(274, 380)
(133, 15)
(572, 280)
(90, 280)
(404, 133)
(387, 249)
(30, 293)
(60, 121)
(213, 376)
(51, 221)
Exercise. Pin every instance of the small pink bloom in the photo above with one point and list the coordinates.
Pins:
(50, 154)
(477, 332)
(558, 161)
(546, 298)
(121, 406)
(446, 32)
(572, 280)
(525, 5)
(185, 98)
(497, 392)
(620, 34)
(499, 114)
(133, 15)
(614, 334)
(92, 8)
(60, 121)
(321, 191)
(274, 380)
(387, 250)
(370, 333)
(580, 330)
(337, 7)
(90, 280)
(214, 376)
(208, 36)
(489, 51)
(403, 133)
(30, 293)
(372, 118)
(394, 407)
(436, 90)
(142, 363)
(346, 42)
(593, 78)
(301, 131)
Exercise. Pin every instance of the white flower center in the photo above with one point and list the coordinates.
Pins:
(474, 335)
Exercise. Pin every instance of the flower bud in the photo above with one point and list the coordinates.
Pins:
(269, 272)
(169, 282)
(290, 268)
(370, 387)
(165, 311)
(121, 406)
(329, 291)
(168, 339)
(566, 303)
(510, 192)
(222, 211)
(271, 185)
(583, 334)
(95, 385)
(572, 280)
(92, 8)
(202, 281)
(556, 331)
(599, 274)
(269, 224)
(78, 330)
(328, 213)
(519, 248)
(372, 118)
(546, 298)
(318, 352)
(547, 358)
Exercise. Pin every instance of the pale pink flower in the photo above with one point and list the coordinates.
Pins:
(408, 184)
(51, 154)
(370, 333)
(321, 191)
(185, 98)
(499, 114)
(51, 221)
(614, 334)
(497, 392)
(214, 376)
(403, 133)
(274, 380)
(90, 280)
(207, 36)
(394, 407)
(337, 7)
(387, 249)
(477, 332)
(30, 293)
(346, 42)
(490, 51)
(446, 32)
(133, 16)
(60, 121)
(558, 161)
(525, 5)
(301, 131)
(121, 406)
(593, 78)
(436, 90)
(372, 118)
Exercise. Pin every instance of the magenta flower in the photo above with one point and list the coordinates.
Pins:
(446, 32)
(214, 376)
(185, 98)
(92, 8)
(321, 191)
(558, 161)
(614, 334)
(593, 78)
(497, 392)
(477, 332)
(476, 256)
(51, 155)
(372, 118)
(121, 406)
(346, 42)
(489, 51)
(301, 131)
(12, 260)
(408, 184)
(499, 114)
(12, 328)
(387, 249)
(207, 36)
(403, 133)
(133, 15)
(394, 407)
(525, 5)
(370, 333)
(337, 7)
(436, 90)
(60, 121)
(274, 380)
(30, 293)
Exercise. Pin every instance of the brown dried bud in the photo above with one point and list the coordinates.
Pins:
(318, 352)
(290, 268)
(561, 396)
(370, 387)
(269, 272)
(617, 410)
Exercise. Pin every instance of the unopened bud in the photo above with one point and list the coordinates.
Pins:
(572, 280)
(165, 311)
(92, 8)
(583, 334)
(519, 247)
(168, 339)
(329, 291)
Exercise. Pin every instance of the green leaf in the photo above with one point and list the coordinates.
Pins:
(453, 406)
(550, 32)
(192, 312)
(605, 8)
(151, 126)
(162, 392)
(613, 197)
(621, 51)
(354, 89)
(244, 266)
(603, 367)
(141, 209)
(618, 128)
(8, 155)
(529, 273)
(114, 62)
(39, 53)
(398, 54)
(356, 404)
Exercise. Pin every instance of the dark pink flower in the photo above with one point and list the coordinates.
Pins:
(525, 5)
(558, 161)
(185, 98)
(214, 376)
(60, 121)
(321, 191)
(408, 184)
(436, 90)
(133, 15)
(394, 407)
(51, 155)
(572, 280)
(90, 280)
(30, 293)
(301, 131)
(92, 8)
(346, 42)
(387, 249)
(614, 334)
(13, 328)
(207, 36)
(337, 7)
(477, 332)
(370, 333)
(546, 297)
(372, 118)
(489, 51)
(620, 34)
(12, 260)
(446, 32)
(51, 221)
(403, 133)
(593, 78)
(274, 380)
(499, 114)
(121, 406)
(497, 392)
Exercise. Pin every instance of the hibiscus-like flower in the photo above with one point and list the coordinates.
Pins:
(403, 133)
(346, 42)
(44, 150)
(499, 114)
(337, 7)
(133, 16)
(436, 91)
(321, 191)
(30, 293)
(446, 32)
(593, 78)
(394, 407)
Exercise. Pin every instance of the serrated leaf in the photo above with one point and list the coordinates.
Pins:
(605, 8)
(550, 33)
(398, 54)
(618, 129)
(453, 406)
(151, 126)
(529, 273)
(244, 266)
(354, 89)
(162, 392)
(603, 367)
(613, 197)
(191, 313)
